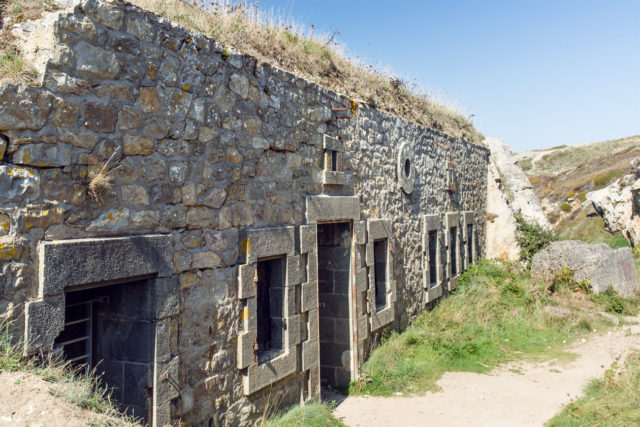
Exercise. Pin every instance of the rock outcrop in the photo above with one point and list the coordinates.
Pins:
(619, 206)
(599, 264)
(509, 192)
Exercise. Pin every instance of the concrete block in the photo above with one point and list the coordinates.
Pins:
(66, 263)
(165, 378)
(166, 297)
(332, 208)
(247, 273)
(468, 217)
(392, 291)
(314, 382)
(268, 242)
(310, 354)
(290, 301)
(246, 356)
(309, 296)
(359, 229)
(308, 238)
(44, 320)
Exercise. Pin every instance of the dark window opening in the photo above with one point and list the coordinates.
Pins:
(334, 161)
(270, 305)
(470, 244)
(453, 243)
(407, 168)
(380, 265)
(433, 258)
(111, 329)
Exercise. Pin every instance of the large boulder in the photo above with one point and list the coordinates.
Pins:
(599, 264)
(619, 206)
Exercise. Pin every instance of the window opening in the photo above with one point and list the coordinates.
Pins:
(380, 265)
(334, 161)
(452, 248)
(270, 305)
(433, 258)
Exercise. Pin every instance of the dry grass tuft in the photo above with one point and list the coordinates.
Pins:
(317, 57)
(101, 179)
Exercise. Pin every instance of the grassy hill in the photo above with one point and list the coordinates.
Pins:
(561, 176)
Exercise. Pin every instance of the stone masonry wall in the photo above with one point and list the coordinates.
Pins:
(204, 143)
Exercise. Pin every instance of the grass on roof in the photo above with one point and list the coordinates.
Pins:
(286, 44)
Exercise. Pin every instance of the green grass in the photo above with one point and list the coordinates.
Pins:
(565, 207)
(605, 179)
(496, 315)
(78, 386)
(611, 401)
(526, 164)
(312, 415)
(590, 229)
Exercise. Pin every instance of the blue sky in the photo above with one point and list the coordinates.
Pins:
(536, 73)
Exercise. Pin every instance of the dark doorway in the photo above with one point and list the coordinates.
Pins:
(334, 253)
(270, 306)
(110, 329)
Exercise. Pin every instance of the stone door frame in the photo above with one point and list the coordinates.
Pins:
(80, 263)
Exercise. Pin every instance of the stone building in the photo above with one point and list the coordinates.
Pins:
(251, 246)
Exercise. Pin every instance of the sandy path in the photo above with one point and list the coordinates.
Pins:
(528, 397)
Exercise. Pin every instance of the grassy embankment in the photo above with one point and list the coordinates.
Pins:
(496, 315)
(610, 401)
(76, 385)
(310, 415)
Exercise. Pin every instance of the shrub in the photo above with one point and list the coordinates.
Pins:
(571, 194)
(565, 280)
(565, 207)
(531, 238)
(605, 179)
(526, 164)
(582, 196)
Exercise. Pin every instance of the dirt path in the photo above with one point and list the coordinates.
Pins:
(522, 394)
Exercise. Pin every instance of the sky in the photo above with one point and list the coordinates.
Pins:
(536, 73)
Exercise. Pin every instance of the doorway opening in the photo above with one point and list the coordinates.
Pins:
(110, 329)
(334, 255)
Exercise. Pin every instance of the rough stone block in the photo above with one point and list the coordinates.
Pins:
(363, 327)
(361, 280)
(369, 258)
(249, 316)
(308, 236)
(67, 263)
(431, 222)
(43, 323)
(18, 184)
(333, 178)
(96, 61)
(332, 208)
(309, 296)
(43, 155)
(452, 284)
(332, 143)
(166, 339)
(313, 330)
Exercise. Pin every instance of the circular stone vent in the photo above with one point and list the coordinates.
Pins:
(406, 171)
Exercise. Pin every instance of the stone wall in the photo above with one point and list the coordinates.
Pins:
(204, 145)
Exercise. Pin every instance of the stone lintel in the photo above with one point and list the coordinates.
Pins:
(266, 242)
(66, 263)
(332, 208)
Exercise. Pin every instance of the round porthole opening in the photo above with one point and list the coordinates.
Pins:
(405, 171)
